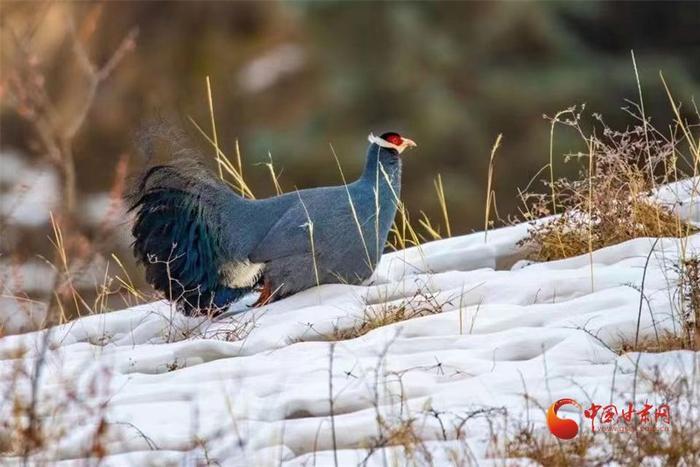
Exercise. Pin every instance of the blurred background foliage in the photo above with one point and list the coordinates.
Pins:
(288, 78)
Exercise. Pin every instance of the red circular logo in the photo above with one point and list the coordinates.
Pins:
(562, 428)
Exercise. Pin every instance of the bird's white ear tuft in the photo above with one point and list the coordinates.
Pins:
(381, 142)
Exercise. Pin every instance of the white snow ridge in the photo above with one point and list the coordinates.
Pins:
(268, 387)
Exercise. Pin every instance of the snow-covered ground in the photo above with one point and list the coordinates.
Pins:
(264, 387)
(28, 194)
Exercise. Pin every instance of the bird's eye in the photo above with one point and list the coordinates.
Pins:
(393, 138)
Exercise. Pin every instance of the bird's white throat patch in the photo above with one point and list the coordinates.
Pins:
(241, 274)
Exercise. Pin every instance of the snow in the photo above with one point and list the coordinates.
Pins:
(271, 67)
(253, 387)
(32, 192)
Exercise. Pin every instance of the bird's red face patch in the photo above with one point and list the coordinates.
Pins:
(393, 138)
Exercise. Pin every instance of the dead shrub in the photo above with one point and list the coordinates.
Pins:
(610, 202)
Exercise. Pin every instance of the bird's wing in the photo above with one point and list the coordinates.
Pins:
(323, 216)
(290, 235)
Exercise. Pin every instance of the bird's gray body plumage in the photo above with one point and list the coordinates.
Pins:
(321, 233)
(225, 244)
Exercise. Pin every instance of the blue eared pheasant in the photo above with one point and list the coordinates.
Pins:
(204, 246)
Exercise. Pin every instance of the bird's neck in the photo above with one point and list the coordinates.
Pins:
(378, 191)
(380, 186)
(386, 177)
(385, 181)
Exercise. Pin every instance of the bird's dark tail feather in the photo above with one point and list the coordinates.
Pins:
(178, 231)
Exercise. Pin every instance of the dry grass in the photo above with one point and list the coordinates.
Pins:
(405, 427)
(547, 450)
(666, 342)
(404, 432)
(237, 329)
(689, 285)
(27, 431)
(568, 236)
(686, 336)
(679, 445)
(422, 303)
(610, 201)
(404, 234)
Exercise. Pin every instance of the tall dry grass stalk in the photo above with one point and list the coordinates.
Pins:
(440, 191)
(489, 183)
(273, 176)
(213, 128)
(591, 164)
(239, 183)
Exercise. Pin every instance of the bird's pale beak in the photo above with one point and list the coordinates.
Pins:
(408, 143)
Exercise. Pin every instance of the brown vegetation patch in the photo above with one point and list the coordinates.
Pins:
(611, 201)
(665, 343)
(422, 303)
(678, 443)
(547, 450)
